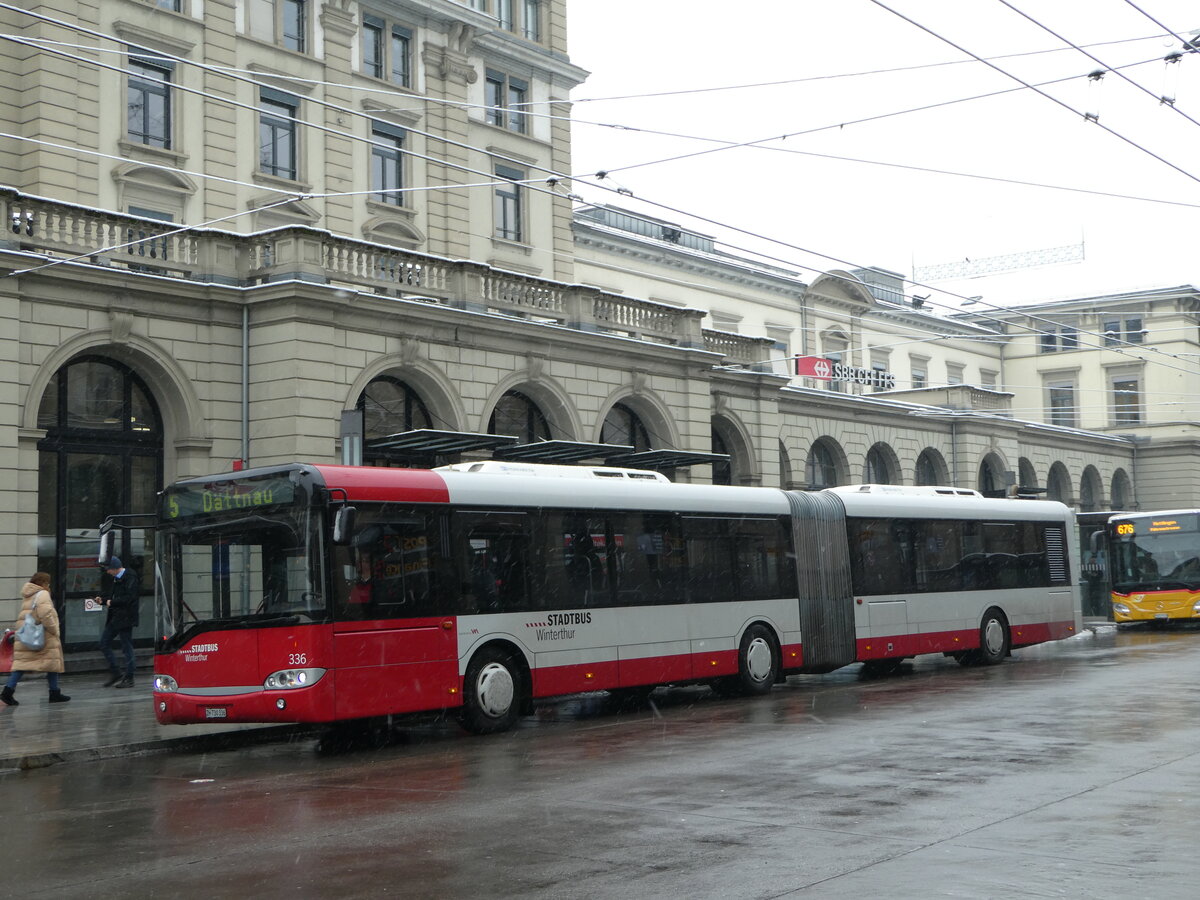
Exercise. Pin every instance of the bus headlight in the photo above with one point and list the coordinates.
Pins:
(1196, 608)
(165, 684)
(1121, 608)
(286, 679)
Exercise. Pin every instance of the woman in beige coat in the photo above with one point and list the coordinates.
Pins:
(35, 597)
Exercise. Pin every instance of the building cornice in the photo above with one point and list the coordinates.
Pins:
(683, 259)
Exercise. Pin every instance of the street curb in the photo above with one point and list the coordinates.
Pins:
(225, 740)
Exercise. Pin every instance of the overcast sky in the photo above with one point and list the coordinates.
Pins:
(891, 217)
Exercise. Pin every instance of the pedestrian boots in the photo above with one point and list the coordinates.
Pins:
(113, 678)
(125, 682)
(58, 697)
(7, 696)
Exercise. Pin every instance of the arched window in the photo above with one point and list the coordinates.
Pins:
(623, 426)
(722, 472)
(929, 468)
(1058, 484)
(1122, 491)
(821, 468)
(1028, 481)
(991, 481)
(876, 469)
(785, 467)
(101, 456)
(517, 415)
(389, 407)
(1091, 492)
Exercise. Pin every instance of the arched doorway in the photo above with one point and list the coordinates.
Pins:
(101, 456)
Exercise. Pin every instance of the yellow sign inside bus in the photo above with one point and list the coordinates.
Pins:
(1164, 525)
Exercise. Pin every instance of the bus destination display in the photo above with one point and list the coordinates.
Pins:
(219, 497)
(1186, 522)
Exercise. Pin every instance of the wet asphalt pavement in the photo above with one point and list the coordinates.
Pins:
(1069, 771)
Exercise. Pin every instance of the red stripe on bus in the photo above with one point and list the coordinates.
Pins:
(386, 484)
(893, 645)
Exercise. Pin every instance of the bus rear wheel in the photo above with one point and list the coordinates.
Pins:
(994, 640)
(492, 692)
(758, 664)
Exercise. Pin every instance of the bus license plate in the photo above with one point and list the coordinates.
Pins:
(215, 712)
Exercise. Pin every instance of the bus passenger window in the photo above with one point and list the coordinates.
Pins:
(649, 559)
(585, 559)
(710, 560)
(881, 555)
(495, 571)
(388, 569)
(938, 555)
(765, 567)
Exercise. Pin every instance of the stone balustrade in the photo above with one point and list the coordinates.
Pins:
(740, 349)
(62, 231)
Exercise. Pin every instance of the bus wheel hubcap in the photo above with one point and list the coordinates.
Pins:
(495, 689)
(993, 637)
(758, 659)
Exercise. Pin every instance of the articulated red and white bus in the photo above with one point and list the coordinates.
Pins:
(319, 593)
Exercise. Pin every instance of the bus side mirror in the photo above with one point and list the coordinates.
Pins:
(105, 543)
(343, 524)
(1096, 541)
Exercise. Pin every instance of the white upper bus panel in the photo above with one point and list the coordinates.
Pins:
(542, 470)
(895, 501)
(515, 488)
(917, 490)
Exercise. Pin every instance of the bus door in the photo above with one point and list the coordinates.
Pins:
(827, 636)
(395, 642)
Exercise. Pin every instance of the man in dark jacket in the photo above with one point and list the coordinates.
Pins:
(122, 602)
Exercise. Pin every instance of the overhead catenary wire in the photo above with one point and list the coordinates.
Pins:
(241, 74)
(527, 106)
(1037, 90)
(1186, 43)
(724, 143)
(841, 125)
(1157, 98)
(150, 54)
(225, 70)
(888, 71)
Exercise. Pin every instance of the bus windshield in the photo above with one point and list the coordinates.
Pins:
(230, 562)
(1156, 562)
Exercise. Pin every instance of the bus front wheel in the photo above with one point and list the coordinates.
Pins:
(492, 692)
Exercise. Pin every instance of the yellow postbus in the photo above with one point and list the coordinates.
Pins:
(1155, 565)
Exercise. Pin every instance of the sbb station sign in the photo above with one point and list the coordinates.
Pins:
(828, 370)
